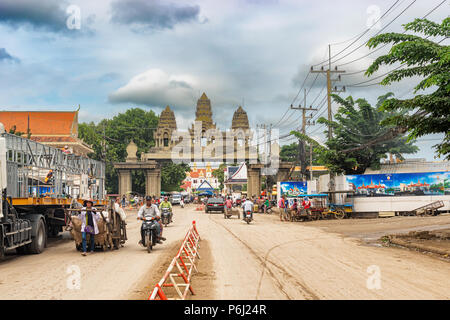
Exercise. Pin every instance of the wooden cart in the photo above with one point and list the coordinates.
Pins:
(112, 229)
(231, 212)
(319, 205)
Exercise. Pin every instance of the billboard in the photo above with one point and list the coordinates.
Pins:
(400, 184)
(293, 188)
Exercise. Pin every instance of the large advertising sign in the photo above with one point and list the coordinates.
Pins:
(293, 188)
(400, 184)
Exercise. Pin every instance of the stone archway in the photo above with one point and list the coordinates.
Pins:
(152, 173)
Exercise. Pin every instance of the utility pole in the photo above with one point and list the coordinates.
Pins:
(330, 89)
(301, 144)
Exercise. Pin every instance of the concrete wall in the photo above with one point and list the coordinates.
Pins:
(397, 204)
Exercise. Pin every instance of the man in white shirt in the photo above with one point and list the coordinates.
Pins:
(247, 206)
(150, 209)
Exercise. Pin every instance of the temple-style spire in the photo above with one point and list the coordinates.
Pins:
(240, 119)
(203, 112)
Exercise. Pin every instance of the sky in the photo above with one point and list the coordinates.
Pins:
(111, 55)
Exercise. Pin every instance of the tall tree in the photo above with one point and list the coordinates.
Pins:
(427, 113)
(289, 153)
(356, 124)
(220, 174)
(172, 176)
(110, 137)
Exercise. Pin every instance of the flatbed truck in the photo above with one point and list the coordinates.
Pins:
(37, 183)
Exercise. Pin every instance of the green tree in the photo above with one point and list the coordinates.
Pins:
(426, 113)
(172, 175)
(110, 137)
(220, 174)
(289, 153)
(357, 124)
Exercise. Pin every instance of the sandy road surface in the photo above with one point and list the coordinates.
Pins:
(104, 275)
(267, 259)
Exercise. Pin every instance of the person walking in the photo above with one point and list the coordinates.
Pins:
(89, 218)
(282, 208)
(266, 205)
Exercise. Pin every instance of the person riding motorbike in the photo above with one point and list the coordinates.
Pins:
(248, 206)
(150, 210)
(166, 204)
(228, 205)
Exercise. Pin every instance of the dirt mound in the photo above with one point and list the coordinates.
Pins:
(437, 242)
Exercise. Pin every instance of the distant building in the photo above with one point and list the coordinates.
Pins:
(58, 129)
(196, 176)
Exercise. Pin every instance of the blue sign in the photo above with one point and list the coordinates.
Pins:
(293, 188)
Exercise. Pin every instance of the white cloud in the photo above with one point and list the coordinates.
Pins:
(156, 88)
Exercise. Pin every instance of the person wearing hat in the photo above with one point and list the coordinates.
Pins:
(89, 218)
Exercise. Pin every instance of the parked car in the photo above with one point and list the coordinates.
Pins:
(215, 204)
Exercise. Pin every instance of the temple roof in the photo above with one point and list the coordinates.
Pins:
(203, 112)
(167, 119)
(240, 119)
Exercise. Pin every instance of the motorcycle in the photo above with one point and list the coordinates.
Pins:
(248, 216)
(166, 216)
(150, 235)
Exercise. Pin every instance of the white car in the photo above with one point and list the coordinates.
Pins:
(175, 198)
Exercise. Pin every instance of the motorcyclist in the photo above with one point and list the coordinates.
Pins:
(248, 206)
(166, 204)
(150, 210)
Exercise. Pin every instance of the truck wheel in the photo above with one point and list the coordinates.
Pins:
(38, 242)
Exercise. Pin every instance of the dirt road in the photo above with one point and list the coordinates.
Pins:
(103, 275)
(267, 259)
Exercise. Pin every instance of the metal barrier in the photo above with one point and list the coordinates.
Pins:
(184, 262)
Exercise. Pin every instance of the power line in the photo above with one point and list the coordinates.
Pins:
(383, 46)
(380, 76)
(346, 55)
(359, 37)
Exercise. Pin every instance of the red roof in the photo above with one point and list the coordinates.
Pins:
(41, 122)
(196, 173)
